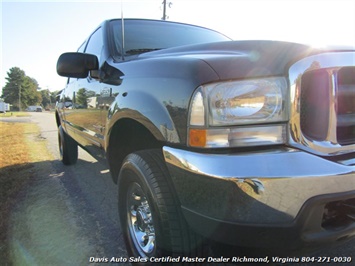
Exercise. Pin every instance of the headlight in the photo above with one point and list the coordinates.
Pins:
(246, 102)
(239, 113)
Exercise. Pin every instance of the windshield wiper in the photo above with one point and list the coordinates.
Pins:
(141, 50)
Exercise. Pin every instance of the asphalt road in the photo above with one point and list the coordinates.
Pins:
(69, 215)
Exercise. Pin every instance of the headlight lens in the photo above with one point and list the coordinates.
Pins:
(246, 101)
(239, 113)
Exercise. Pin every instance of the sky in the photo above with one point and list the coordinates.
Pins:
(35, 33)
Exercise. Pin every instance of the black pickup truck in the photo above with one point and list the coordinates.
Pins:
(247, 143)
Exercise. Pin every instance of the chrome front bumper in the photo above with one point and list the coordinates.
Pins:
(266, 187)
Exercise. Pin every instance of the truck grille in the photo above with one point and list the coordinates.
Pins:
(323, 103)
(315, 102)
(321, 88)
(346, 106)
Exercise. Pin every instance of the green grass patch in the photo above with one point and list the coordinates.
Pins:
(15, 114)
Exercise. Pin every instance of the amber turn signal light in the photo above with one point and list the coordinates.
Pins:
(197, 137)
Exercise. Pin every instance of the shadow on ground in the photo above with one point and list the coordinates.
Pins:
(61, 215)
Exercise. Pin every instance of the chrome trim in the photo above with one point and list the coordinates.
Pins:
(281, 179)
(332, 62)
(280, 163)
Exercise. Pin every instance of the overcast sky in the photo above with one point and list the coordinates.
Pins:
(35, 33)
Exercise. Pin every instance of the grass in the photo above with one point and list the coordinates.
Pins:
(14, 114)
(20, 148)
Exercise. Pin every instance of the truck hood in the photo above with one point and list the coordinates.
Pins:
(242, 59)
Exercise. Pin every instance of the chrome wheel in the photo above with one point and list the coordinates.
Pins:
(140, 221)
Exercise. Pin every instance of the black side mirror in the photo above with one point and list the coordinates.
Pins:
(76, 65)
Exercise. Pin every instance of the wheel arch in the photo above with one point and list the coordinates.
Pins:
(127, 136)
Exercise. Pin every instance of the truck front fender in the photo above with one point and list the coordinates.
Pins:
(148, 111)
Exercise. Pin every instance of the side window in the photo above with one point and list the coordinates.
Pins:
(69, 94)
(95, 44)
(82, 48)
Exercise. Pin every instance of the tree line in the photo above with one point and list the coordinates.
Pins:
(21, 91)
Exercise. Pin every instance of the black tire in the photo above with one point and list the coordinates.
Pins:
(150, 210)
(68, 148)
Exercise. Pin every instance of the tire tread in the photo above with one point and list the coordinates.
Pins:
(181, 239)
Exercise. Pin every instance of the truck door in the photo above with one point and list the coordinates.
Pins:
(85, 114)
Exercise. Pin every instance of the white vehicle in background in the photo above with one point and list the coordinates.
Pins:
(4, 107)
(34, 108)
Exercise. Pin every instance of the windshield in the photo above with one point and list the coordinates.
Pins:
(149, 35)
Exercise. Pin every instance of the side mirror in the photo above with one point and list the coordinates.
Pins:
(76, 65)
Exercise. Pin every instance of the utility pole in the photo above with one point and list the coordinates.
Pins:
(19, 95)
(164, 9)
(19, 98)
